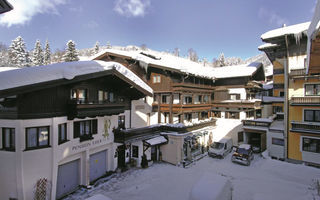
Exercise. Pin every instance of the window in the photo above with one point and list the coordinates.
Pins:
(187, 100)
(312, 115)
(156, 79)
(8, 139)
(135, 151)
(217, 114)
(278, 141)
(312, 89)
(37, 137)
(121, 122)
(62, 133)
(111, 97)
(188, 116)
(206, 99)
(102, 96)
(311, 145)
(234, 96)
(277, 109)
(79, 94)
(85, 129)
(281, 94)
(232, 115)
(164, 99)
(240, 136)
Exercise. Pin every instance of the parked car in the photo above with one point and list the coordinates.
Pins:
(243, 154)
(220, 149)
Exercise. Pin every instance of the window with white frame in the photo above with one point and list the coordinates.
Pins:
(312, 89)
(311, 144)
(8, 139)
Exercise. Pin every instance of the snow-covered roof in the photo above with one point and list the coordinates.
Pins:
(67, 70)
(277, 125)
(156, 140)
(296, 29)
(3, 69)
(164, 60)
(236, 70)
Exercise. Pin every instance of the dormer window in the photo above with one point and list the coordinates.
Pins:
(79, 94)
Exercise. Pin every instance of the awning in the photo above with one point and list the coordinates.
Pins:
(156, 140)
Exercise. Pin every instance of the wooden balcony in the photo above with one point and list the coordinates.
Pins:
(256, 123)
(177, 108)
(301, 101)
(297, 72)
(93, 109)
(237, 104)
(8, 113)
(193, 127)
(192, 87)
(305, 127)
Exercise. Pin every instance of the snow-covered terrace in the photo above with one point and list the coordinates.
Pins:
(68, 70)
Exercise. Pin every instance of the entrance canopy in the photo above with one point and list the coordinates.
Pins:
(156, 140)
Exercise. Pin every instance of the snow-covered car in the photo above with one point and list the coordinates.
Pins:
(220, 149)
(243, 154)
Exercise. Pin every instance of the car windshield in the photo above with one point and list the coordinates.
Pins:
(217, 145)
(242, 151)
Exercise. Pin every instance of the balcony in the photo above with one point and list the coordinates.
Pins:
(305, 127)
(78, 109)
(192, 87)
(301, 101)
(201, 124)
(256, 103)
(297, 72)
(258, 122)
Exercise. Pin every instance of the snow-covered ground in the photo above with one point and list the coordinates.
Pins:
(264, 179)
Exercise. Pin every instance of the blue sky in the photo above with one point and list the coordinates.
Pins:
(208, 26)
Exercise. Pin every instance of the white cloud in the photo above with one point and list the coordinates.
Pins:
(131, 8)
(272, 17)
(24, 10)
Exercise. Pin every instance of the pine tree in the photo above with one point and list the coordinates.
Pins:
(47, 54)
(71, 53)
(96, 48)
(37, 58)
(18, 54)
(221, 60)
(192, 55)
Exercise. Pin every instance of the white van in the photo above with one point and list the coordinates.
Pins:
(220, 149)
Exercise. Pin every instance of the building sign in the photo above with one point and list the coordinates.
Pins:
(88, 144)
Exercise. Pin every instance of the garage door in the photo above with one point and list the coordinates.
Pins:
(98, 165)
(68, 178)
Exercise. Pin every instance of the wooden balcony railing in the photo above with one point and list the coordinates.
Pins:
(305, 101)
(255, 123)
(297, 72)
(305, 127)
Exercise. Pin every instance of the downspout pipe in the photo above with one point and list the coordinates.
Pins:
(286, 100)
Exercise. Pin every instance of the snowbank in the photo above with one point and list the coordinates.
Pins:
(67, 70)
(211, 187)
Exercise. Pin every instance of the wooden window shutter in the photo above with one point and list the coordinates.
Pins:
(94, 126)
(76, 129)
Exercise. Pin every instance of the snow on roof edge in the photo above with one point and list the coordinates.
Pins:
(287, 30)
(67, 70)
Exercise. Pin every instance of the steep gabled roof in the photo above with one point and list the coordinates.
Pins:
(236, 70)
(31, 76)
